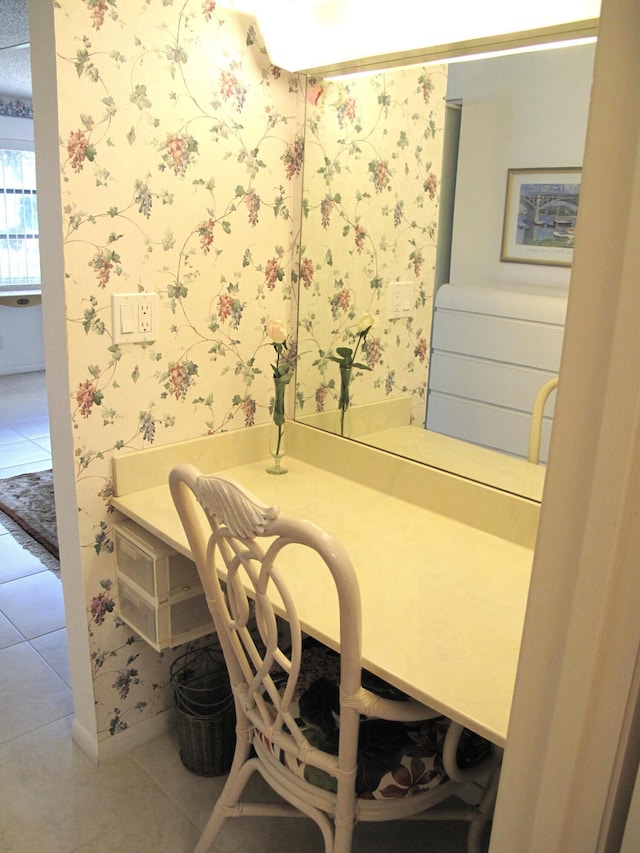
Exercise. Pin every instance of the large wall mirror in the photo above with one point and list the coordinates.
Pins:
(405, 182)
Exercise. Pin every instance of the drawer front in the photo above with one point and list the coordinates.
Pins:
(135, 563)
(152, 566)
(165, 625)
(138, 613)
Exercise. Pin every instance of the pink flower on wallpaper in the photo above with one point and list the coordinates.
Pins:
(346, 110)
(124, 680)
(97, 9)
(292, 158)
(326, 208)
(179, 150)
(101, 604)
(379, 171)
(340, 302)
(431, 185)
(248, 407)
(86, 395)
(426, 87)
(230, 88)
(225, 306)
(360, 234)
(228, 84)
(205, 232)
(306, 272)
(421, 349)
(180, 378)
(208, 7)
(344, 299)
(252, 201)
(79, 150)
(417, 259)
(321, 393)
(273, 273)
(103, 262)
(373, 351)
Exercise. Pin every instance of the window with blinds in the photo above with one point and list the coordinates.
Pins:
(19, 244)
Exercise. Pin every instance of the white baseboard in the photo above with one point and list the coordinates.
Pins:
(125, 741)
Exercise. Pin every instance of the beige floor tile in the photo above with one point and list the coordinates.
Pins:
(9, 636)
(265, 835)
(21, 452)
(59, 800)
(34, 428)
(163, 829)
(16, 561)
(31, 694)
(194, 795)
(34, 604)
(53, 648)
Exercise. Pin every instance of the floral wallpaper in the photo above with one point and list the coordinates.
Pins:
(372, 165)
(182, 152)
(181, 157)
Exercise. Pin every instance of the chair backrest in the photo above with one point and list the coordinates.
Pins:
(535, 430)
(264, 675)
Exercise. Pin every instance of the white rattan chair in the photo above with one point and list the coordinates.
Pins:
(323, 774)
(535, 430)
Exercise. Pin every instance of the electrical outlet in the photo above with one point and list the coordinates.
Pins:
(144, 317)
(135, 317)
(401, 299)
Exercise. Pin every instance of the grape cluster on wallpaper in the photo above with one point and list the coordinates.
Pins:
(182, 152)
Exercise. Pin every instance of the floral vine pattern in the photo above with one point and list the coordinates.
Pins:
(372, 161)
(181, 153)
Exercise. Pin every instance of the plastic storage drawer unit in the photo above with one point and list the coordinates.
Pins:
(159, 591)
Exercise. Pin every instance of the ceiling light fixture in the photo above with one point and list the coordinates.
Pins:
(332, 37)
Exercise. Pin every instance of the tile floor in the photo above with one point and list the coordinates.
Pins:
(54, 798)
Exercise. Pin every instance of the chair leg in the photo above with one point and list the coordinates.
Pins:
(343, 836)
(210, 831)
(241, 769)
(484, 813)
(474, 837)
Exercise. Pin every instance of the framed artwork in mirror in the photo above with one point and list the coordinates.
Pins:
(540, 214)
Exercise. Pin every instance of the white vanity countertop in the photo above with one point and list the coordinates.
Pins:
(450, 454)
(443, 601)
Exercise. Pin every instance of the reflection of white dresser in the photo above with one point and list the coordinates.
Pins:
(492, 351)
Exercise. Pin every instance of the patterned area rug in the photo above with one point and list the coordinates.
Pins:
(28, 502)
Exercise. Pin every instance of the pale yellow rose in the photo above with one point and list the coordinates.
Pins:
(366, 322)
(277, 331)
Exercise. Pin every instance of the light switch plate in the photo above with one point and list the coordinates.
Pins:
(134, 317)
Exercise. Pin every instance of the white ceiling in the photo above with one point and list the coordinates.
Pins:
(15, 62)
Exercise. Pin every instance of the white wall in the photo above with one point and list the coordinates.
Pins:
(21, 343)
(524, 111)
(16, 133)
(519, 111)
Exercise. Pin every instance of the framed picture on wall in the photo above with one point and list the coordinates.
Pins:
(540, 216)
